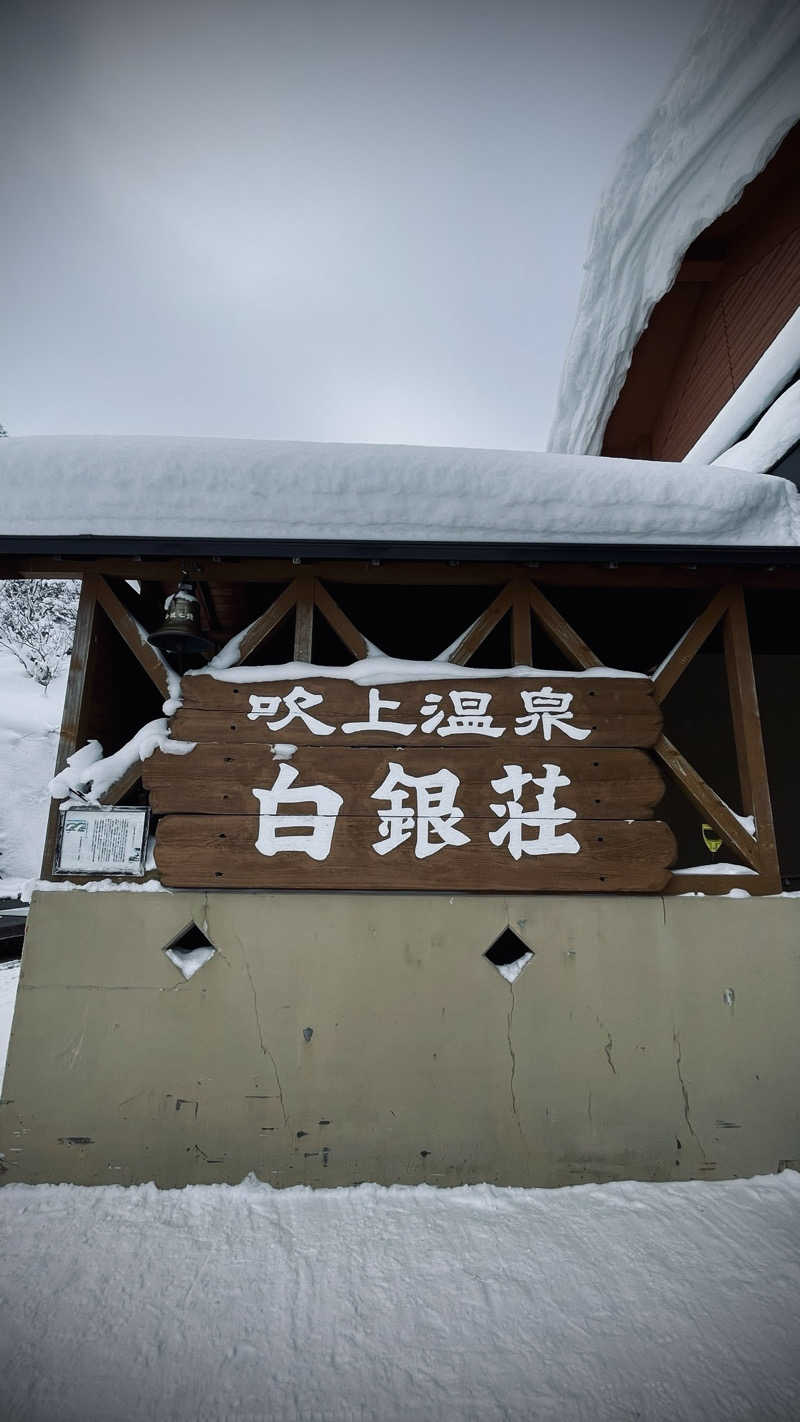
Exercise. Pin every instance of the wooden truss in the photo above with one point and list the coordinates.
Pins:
(522, 599)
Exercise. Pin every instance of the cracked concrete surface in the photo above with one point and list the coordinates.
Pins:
(264, 1048)
(419, 1067)
(676, 1042)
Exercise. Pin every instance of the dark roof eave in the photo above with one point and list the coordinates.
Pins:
(392, 550)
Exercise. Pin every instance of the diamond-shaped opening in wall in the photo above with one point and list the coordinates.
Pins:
(509, 955)
(190, 950)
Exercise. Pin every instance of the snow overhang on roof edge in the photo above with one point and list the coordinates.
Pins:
(733, 97)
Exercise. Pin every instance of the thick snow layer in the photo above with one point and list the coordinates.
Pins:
(262, 489)
(29, 725)
(388, 671)
(670, 1303)
(734, 96)
(774, 435)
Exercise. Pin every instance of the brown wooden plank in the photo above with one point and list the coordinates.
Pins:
(690, 644)
(345, 630)
(134, 636)
(73, 717)
(263, 626)
(748, 735)
(615, 711)
(615, 857)
(708, 802)
(347, 699)
(304, 619)
(213, 779)
(476, 635)
(560, 632)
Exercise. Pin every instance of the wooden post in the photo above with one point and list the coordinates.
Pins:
(73, 720)
(748, 736)
(521, 639)
(304, 619)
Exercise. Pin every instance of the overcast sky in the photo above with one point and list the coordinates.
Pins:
(290, 220)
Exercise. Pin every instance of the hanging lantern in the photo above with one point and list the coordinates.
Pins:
(179, 633)
(711, 839)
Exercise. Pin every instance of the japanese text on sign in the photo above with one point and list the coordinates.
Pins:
(419, 806)
(455, 713)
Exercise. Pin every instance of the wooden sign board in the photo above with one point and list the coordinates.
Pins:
(504, 784)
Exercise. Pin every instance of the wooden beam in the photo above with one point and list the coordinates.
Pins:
(748, 736)
(560, 632)
(453, 573)
(521, 638)
(708, 802)
(258, 631)
(476, 635)
(304, 619)
(345, 630)
(134, 636)
(690, 643)
(73, 719)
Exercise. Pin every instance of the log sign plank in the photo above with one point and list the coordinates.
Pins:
(504, 784)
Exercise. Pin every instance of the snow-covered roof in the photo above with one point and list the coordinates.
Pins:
(265, 490)
(732, 99)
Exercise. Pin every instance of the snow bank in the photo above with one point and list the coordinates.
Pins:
(591, 1304)
(224, 488)
(9, 978)
(29, 725)
(734, 96)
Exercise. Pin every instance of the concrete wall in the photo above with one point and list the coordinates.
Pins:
(338, 1038)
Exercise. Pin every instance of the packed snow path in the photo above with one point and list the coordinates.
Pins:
(619, 1301)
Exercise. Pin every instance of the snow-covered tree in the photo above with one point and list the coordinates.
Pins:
(3, 432)
(37, 621)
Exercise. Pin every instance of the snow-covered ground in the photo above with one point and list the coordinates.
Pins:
(667, 1303)
(29, 725)
(9, 977)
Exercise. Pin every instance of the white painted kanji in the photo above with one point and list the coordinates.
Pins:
(551, 708)
(312, 834)
(432, 816)
(297, 703)
(543, 821)
(469, 715)
(376, 705)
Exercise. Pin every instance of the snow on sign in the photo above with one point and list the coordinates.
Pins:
(109, 841)
(498, 784)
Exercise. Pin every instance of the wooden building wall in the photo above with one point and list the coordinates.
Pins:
(736, 288)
